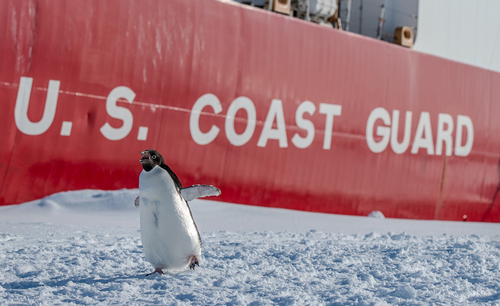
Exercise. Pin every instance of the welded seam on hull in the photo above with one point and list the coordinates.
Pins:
(33, 32)
(439, 205)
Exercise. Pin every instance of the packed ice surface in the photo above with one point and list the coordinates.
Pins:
(84, 248)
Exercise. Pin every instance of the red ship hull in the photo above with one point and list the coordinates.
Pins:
(273, 110)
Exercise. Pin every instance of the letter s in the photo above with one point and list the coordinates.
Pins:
(304, 142)
(118, 112)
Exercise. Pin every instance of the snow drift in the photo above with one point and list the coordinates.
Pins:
(84, 248)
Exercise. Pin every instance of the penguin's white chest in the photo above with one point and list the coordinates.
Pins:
(168, 232)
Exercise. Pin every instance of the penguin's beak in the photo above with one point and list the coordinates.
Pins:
(145, 156)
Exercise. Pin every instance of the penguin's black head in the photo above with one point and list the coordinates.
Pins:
(150, 159)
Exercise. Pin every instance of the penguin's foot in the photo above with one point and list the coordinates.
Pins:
(194, 261)
(157, 270)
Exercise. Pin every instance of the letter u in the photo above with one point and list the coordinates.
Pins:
(22, 103)
(400, 148)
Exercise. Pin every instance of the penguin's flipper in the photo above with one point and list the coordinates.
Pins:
(199, 191)
(137, 202)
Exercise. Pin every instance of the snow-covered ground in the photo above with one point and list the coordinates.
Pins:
(84, 247)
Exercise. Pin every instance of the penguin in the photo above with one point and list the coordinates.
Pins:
(169, 235)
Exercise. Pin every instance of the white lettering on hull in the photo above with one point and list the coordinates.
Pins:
(423, 137)
(274, 127)
(118, 112)
(27, 127)
(274, 114)
(23, 123)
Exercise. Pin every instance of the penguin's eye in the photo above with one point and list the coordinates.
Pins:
(153, 157)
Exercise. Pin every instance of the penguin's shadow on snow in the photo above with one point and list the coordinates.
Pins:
(63, 281)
